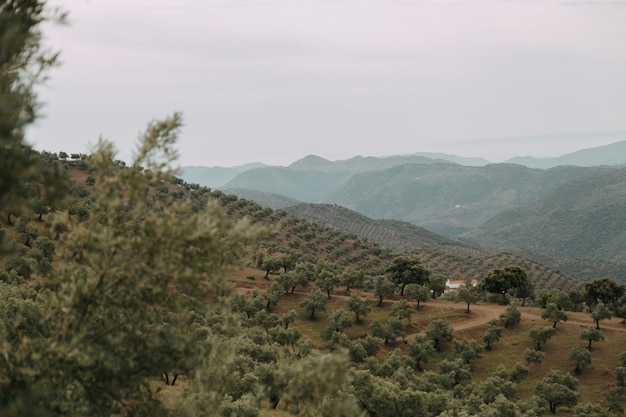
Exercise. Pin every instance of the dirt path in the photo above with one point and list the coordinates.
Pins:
(481, 314)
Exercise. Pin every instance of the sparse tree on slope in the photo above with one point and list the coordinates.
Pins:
(359, 306)
(554, 314)
(592, 335)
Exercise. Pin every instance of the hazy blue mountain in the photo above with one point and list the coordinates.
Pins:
(314, 179)
(612, 154)
(582, 218)
(446, 198)
(461, 160)
(214, 177)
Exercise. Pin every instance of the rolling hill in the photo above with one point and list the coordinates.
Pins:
(584, 218)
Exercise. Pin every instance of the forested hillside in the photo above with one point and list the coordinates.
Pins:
(126, 291)
(585, 216)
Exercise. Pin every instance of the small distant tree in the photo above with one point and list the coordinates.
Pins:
(352, 278)
(558, 390)
(468, 295)
(314, 302)
(554, 314)
(383, 289)
(613, 400)
(437, 285)
(519, 372)
(511, 316)
(492, 334)
(468, 349)
(603, 290)
(327, 281)
(439, 332)
(402, 310)
(359, 306)
(502, 281)
(338, 321)
(388, 330)
(581, 358)
(589, 410)
(272, 294)
(418, 292)
(288, 318)
(601, 312)
(287, 282)
(533, 356)
(541, 334)
(420, 350)
(269, 264)
(592, 335)
(407, 270)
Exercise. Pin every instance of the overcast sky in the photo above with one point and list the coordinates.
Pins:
(275, 80)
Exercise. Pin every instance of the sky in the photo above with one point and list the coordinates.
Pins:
(275, 80)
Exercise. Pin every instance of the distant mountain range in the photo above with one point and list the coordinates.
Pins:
(570, 208)
(219, 177)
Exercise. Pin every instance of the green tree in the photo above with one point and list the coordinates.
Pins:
(437, 284)
(287, 282)
(338, 321)
(492, 334)
(614, 400)
(581, 358)
(359, 306)
(327, 280)
(589, 410)
(533, 356)
(541, 334)
(554, 314)
(407, 270)
(511, 316)
(352, 278)
(468, 349)
(502, 281)
(468, 295)
(558, 390)
(402, 310)
(592, 335)
(272, 294)
(439, 332)
(601, 312)
(418, 292)
(383, 289)
(603, 290)
(269, 264)
(420, 350)
(314, 302)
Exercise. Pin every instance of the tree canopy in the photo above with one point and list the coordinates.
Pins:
(407, 270)
(511, 279)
